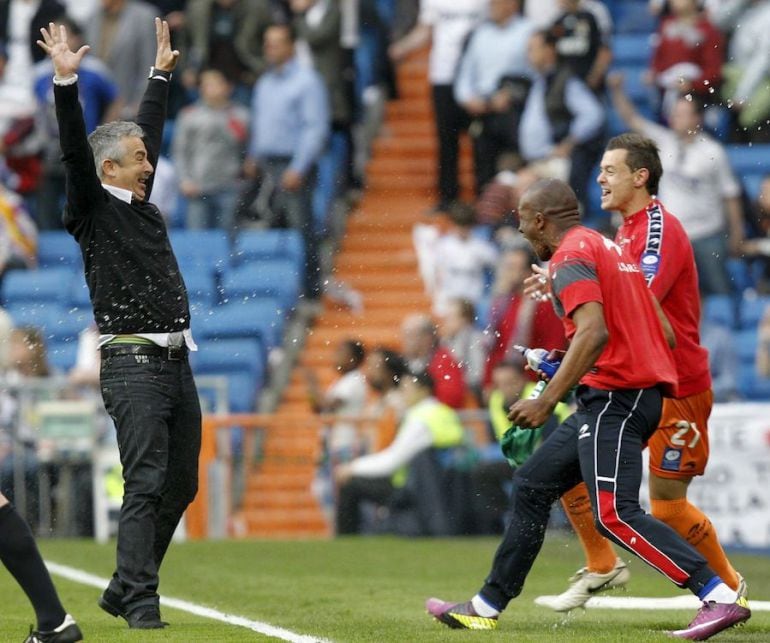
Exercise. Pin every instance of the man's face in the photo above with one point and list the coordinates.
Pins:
(510, 382)
(684, 118)
(132, 171)
(500, 11)
(616, 180)
(375, 371)
(531, 227)
(278, 46)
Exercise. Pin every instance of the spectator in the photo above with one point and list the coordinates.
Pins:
(688, 54)
(20, 23)
(290, 126)
(465, 342)
(445, 24)
(581, 44)
(491, 82)
(19, 140)
(18, 233)
(542, 13)
(763, 345)
(118, 38)
(384, 369)
(101, 104)
(208, 150)
(460, 261)
(515, 318)
(228, 35)
(757, 247)
(423, 353)
(561, 127)
(377, 477)
(698, 184)
(745, 75)
(345, 397)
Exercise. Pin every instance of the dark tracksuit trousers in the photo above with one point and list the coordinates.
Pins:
(601, 443)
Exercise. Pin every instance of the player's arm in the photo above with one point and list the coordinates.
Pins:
(668, 330)
(587, 344)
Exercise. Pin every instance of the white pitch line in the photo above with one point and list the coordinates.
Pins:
(687, 601)
(84, 578)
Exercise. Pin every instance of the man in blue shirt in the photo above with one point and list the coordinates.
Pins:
(290, 124)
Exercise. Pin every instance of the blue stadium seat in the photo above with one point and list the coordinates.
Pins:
(258, 318)
(634, 84)
(33, 313)
(279, 278)
(230, 355)
(201, 286)
(749, 159)
(632, 17)
(56, 248)
(739, 274)
(44, 284)
(242, 391)
(62, 355)
(251, 245)
(752, 183)
(631, 49)
(201, 249)
(752, 310)
(78, 294)
(720, 309)
(67, 327)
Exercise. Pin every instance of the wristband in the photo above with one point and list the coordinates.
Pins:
(160, 74)
(66, 80)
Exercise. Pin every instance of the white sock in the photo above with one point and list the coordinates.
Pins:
(483, 608)
(720, 594)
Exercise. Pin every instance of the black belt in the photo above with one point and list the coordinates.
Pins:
(172, 353)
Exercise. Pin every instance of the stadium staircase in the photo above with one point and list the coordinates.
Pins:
(375, 258)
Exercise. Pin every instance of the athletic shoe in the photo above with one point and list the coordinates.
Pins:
(459, 616)
(743, 590)
(584, 585)
(712, 618)
(67, 632)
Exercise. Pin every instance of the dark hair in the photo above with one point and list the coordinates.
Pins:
(423, 379)
(549, 36)
(697, 102)
(462, 214)
(356, 350)
(288, 27)
(467, 309)
(395, 364)
(642, 152)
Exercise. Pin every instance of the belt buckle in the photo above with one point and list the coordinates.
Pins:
(175, 353)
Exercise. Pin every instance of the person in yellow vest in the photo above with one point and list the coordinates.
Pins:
(509, 384)
(378, 476)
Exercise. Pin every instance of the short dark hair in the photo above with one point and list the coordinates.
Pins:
(288, 27)
(549, 36)
(395, 364)
(423, 379)
(697, 102)
(462, 214)
(466, 308)
(642, 152)
(356, 350)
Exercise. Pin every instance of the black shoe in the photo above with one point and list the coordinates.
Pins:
(110, 602)
(145, 618)
(67, 632)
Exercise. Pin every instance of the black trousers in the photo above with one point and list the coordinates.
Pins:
(602, 444)
(352, 494)
(451, 120)
(154, 404)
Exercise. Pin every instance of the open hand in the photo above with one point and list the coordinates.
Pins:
(54, 43)
(165, 57)
(537, 285)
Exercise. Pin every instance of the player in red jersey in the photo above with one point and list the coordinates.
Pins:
(655, 241)
(608, 313)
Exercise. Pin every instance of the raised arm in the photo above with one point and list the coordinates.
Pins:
(152, 111)
(83, 186)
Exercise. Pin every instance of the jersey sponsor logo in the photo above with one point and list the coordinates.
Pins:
(650, 264)
(672, 460)
(627, 267)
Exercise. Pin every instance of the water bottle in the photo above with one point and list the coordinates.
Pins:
(537, 360)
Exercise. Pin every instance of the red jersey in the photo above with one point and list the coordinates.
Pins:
(588, 267)
(656, 241)
(448, 378)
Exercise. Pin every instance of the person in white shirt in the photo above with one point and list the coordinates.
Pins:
(698, 184)
(460, 262)
(445, 24)
(376, 477)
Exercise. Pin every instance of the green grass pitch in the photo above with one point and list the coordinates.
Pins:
(362, 589)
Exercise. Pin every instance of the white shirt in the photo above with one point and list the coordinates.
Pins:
(459, 269)
(697, 178)
(413, 436)
(350, 393)
(451, 22)
(542, 13)
(18, 68)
